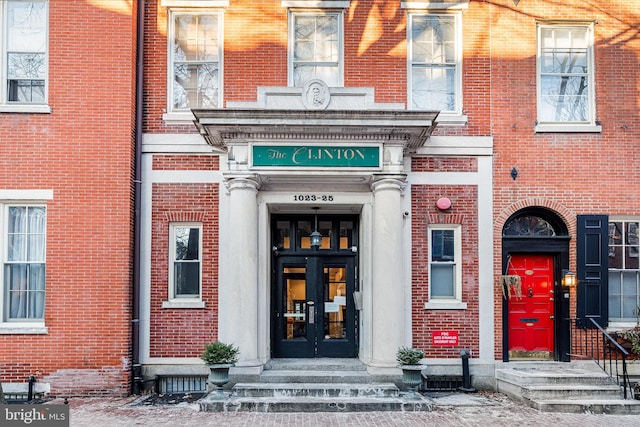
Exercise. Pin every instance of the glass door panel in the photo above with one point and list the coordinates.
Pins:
(336, 336)
(296, 304)
(335, 302)
(293, 310)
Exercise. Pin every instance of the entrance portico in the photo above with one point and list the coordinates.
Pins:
(372, 190)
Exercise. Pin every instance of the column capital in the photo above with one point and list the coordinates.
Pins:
(242, 181)
(389, 182)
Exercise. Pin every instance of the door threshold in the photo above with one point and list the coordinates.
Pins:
(530, 356)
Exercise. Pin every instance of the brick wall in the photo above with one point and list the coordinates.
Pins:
(423, 213)
(183, 332)
(83, 151)
(569, 174)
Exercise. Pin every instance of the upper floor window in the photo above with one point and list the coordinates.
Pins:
(195, 74)
(23, 64)
(435, 77)
(624, 270)
(316, 48)
(566, 99)
(23, 256)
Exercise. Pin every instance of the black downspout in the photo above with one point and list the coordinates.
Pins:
(137, 182)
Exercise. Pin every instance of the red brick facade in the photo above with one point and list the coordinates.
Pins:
(175, 331)
(83, 151)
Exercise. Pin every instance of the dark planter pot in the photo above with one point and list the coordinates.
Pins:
(219, 376)
(412, 378)
(627, 345)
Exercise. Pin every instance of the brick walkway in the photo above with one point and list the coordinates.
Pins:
(480, 409)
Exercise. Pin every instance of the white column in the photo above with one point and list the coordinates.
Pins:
(238, 290)
(388, 278)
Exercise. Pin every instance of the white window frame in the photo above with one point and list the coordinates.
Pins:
(445, 118)
(455, 302)
(185, 301)
(7, 106)
(292, 15)
(625, 322)
(590, 124)
(181, 7)
(8, 198)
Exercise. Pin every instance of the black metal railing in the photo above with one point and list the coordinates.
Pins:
(594, 343)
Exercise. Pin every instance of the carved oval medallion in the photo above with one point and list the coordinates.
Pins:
(315, 95)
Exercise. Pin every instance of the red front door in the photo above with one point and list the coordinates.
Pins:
(531, 308)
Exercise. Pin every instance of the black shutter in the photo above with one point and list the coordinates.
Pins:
(593, 266)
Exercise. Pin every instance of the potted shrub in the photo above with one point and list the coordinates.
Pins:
(409, 359)
(629, 339)
(220, 357)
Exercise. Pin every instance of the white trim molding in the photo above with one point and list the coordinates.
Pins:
(313, 4)
(434, 5)
(194, 3)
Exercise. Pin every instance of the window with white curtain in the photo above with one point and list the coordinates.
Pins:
(24, 265)
(23, 63)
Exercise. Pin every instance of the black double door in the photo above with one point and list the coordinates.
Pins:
(313, 311)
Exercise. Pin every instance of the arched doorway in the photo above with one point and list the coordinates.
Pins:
(535, 309)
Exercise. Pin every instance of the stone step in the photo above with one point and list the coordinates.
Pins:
(212, 403)
(321, 364)
(550, 375)
(589, 406)
(342, 390)
(572, 392)
(314, 376)
(565, 388)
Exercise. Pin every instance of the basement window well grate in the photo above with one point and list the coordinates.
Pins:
(443, 383)
(181, 384)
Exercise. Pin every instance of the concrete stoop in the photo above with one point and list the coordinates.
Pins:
(564, 387)
(331, 385)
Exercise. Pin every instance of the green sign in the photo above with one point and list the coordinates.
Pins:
(316, 156)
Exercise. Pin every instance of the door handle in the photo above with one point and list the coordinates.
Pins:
(312, 312)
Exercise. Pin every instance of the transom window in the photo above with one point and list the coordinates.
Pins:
(316, 48)
(528, 226)
(293, 233)
(195, 75)
(434, 62)
(565, 75)
(23, 64)
(624, 270)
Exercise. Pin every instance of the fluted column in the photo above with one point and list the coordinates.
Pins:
(238, 294)
(388, 277)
